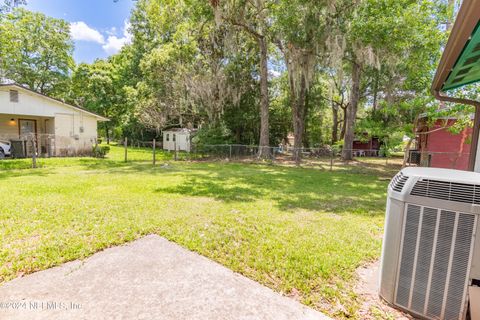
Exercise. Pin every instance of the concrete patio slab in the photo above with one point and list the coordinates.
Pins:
(150, 278)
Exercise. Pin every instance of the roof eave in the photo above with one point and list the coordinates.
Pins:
(99, 117)
(465, 24)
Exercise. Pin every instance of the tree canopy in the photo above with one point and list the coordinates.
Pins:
(35, 50)
(254, 71)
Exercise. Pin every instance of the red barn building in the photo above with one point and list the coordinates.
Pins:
(369, 148)
(437, 147)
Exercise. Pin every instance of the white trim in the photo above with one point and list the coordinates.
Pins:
(450, 262)
(404, 223)
(415, 259)
(477, 159)
(434, 251)
(463, 311)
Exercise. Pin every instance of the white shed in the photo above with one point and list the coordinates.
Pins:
(60, 129)
(178, 138)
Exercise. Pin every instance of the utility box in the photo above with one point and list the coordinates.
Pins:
(18, 149)
(414, 157)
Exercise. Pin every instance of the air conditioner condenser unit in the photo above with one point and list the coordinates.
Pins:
(430, 256)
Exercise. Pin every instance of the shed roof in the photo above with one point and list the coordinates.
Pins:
(180, 130)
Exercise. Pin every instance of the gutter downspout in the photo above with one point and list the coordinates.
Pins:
(476, 124)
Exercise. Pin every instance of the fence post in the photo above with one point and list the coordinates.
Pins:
(386, 155)
(175, 147)
(332, 154)
(154, 146)
(34, 151)
(125, 144)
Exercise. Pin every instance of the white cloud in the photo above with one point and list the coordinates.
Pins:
(275, 73)
(81, 31)
(112, 31)
(114, 43)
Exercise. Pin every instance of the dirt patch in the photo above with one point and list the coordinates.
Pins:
(372, 307)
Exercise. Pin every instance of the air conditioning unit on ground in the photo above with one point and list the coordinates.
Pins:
(431, 259)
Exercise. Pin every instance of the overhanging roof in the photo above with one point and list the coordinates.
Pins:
(460, 62)
(17, 86)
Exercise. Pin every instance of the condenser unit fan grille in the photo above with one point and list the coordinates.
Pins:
(435, 254)
(451, 191)
(398, 182)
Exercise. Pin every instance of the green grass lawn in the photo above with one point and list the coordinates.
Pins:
(300, 231)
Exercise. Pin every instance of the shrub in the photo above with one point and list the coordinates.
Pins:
(100, 151)
(212, 135)
(338, 146)
(384, 151)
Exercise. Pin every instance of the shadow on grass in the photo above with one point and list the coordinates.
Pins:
(368, 166)
(199, 186)
(45, 167)
(289, 188)
(6, 174)
(378, 166)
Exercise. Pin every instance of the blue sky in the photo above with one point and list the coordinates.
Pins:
(98, 27)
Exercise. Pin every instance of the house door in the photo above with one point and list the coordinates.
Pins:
(27, 127)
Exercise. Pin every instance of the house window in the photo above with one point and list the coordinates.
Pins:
(168, 137)
(174, 137)
(13, 96)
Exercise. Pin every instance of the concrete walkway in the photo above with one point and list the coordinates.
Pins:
(150, 278)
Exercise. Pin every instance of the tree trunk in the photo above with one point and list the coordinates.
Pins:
(334, 124)
(238, 135)
(375, 94)
(305, 139)
(298, 112)
(424, 158)
(107, 133)
(351, 113)
(406, 154)
(264, 150)
(344, 114)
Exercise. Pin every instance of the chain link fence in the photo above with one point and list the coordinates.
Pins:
(243, 152)
(433, 159)
(451, 160)
(328, 157)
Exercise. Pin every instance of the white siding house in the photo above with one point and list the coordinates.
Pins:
(60, 129)
(178, 138)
